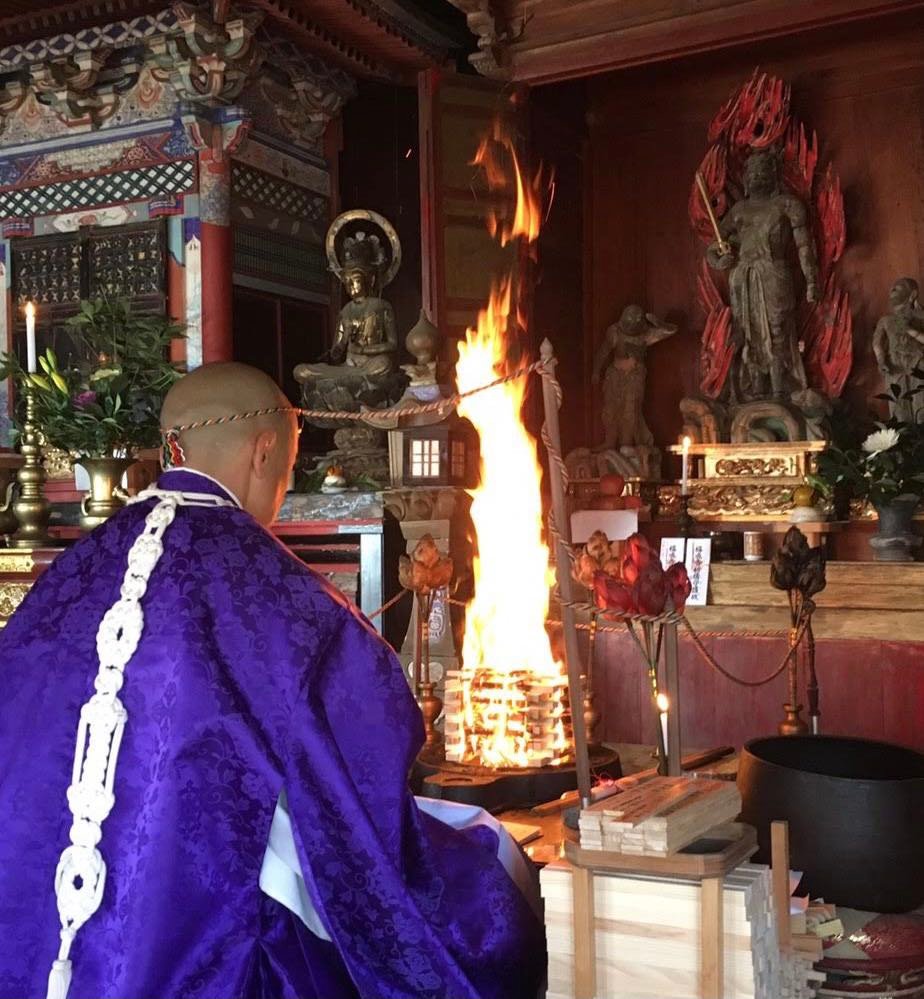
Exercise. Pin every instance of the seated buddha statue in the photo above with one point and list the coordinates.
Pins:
(363, 369)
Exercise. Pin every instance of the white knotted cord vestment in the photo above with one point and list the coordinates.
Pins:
(81, 873)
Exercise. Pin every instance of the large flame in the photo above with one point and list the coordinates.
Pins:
(512, 686)
(505, 622)
(494, 152)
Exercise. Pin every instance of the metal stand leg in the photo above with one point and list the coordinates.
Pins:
(370, 575)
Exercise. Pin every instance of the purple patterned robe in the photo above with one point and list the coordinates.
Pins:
(252, 675)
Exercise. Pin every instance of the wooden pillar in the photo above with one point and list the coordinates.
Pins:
(216, 137)
(176, 283)
(217, 257)
(217, 263)
(6, 346)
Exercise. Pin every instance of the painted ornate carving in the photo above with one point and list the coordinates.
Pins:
(12, 94)
(206, 61)
(703, 421)
(84, 88)
(754, 466)
(141, 69)
(216, 140)
(16, 562)
(317, 95)
(729, 502)
(414, 504)
(11, 596)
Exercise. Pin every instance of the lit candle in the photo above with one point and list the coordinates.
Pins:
(685, 467)
(31, 362)
(663, 705)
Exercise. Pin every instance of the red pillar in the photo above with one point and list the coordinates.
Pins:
(217, 256)
(217, 266)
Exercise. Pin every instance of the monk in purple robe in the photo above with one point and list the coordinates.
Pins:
(204, 752)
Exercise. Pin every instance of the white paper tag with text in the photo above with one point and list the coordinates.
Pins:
(699, 552)
(672, 550)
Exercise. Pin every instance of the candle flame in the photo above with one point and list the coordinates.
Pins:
(686, 444)
(30, 310)
(663, 703)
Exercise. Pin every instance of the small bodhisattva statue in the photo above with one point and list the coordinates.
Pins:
(757, 238)
(898, 344)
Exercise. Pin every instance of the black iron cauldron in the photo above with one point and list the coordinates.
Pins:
(855, 810)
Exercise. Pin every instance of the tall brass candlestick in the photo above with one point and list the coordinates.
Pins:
(31, 509)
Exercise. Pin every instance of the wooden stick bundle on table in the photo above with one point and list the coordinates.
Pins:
(660, 816)
(701, 924)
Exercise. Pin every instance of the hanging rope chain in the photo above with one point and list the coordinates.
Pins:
(373, 416)
(627, 621)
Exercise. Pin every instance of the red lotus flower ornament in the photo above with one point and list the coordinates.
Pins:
(678, 585)
(639, 556)
(650, 589)
(612, 594)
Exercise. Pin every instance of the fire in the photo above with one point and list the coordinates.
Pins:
(506, 707)
(496, 147)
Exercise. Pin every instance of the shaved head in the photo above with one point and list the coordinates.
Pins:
(252, 457)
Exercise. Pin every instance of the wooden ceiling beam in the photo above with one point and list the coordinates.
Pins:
(543, 41)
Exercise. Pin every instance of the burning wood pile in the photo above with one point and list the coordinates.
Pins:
(507, 719)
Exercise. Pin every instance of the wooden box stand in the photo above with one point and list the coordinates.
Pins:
(733, 845)
(701, 923)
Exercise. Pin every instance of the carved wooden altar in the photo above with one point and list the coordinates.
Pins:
(743, 482)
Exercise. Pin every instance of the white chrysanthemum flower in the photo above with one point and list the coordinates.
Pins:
(879, 441)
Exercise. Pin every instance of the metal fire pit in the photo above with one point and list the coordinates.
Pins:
(499, 789)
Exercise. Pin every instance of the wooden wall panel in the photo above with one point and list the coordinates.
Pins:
(378, 170)
(460, 259)
(867, 688)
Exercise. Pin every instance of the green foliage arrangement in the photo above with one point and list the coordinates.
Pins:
(880, 465)
(108, 400)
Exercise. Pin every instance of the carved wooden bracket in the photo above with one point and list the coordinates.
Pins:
(207, 58)
(317, 96)
(217, 139)
(489, 24)
(208, 61)
(82, 88)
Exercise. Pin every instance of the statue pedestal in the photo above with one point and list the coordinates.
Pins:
(362, 453)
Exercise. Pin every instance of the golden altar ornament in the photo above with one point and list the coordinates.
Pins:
(740, 482)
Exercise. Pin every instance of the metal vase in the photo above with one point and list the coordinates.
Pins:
(896, 540)
(105, 496)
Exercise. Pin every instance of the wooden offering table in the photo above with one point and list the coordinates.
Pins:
(340, 536)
